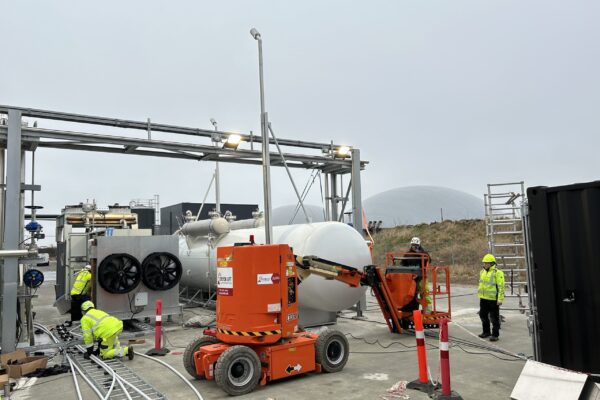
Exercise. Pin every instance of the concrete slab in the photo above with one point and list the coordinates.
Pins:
(377, 361)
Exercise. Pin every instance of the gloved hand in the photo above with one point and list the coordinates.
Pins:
(86, 356)
(89, 352)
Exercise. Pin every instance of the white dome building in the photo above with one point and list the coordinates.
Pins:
(414, 205)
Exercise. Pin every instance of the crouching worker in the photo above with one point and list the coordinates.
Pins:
(96, 325)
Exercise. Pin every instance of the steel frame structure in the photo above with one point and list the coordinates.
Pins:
(18, 138)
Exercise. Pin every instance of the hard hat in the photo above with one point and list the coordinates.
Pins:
(489, 258)
(88, 267)
(416, 241)
(86, 305)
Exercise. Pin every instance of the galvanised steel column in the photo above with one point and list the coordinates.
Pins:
(264, 128)
(334, 197)
(327, 198)
(11, 232)
(217, 177)
(357, 220)
(2, 191)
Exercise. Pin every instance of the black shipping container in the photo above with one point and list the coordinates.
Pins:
(565, 244)
(146, 217)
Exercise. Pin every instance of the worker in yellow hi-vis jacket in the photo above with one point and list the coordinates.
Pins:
(96, 325)
(80, 291)
(491, 296)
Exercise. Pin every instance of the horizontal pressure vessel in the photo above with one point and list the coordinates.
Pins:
(216, 226)
(332, 241)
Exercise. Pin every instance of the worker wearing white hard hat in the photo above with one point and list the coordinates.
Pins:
(80, 292)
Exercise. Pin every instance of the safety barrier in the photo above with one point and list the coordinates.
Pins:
(446, 392)
(158, 350)
(423, 384)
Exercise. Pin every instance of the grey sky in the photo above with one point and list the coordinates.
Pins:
(450, 93)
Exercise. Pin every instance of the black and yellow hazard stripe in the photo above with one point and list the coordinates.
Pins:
(254, 334)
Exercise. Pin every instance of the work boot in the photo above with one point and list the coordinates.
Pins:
(130, 353)
(493, 338)
(484, 335)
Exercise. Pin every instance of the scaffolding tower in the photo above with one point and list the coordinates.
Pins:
(505, 235)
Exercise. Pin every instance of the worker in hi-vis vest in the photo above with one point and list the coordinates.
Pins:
(491, 296)
(96, 325)
(80, 292)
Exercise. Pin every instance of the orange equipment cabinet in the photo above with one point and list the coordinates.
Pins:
(257, 339)
(256, 294)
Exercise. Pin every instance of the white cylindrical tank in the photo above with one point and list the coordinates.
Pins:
(332, 241)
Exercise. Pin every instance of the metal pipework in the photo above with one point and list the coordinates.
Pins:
(216, 226)
(247, 224)
(18, 253)
(264, 124)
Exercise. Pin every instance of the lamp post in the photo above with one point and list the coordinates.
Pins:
(217, 184)
(264, 129)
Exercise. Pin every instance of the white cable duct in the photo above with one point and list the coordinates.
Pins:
(114, 376)
(198, 395)
(120, 381)
(74, 378)
(55, 339)
(90, 383)
(174, 371)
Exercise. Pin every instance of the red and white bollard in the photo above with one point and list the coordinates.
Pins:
(446, 392)
(423, 384)
(158, 350)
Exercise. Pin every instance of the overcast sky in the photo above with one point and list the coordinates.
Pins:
(450, 93)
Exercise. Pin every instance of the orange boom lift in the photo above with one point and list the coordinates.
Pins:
(257, 338)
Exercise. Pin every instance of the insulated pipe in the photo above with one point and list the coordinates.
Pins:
(17, 253)
(247, 224)
(217, 226)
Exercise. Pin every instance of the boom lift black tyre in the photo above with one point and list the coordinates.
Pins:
(192, 347)
(238, 370)
(332, 350)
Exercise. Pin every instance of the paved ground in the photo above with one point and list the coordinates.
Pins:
(378, 359)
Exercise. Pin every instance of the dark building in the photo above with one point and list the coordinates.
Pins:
(146, 217)
(173, 217)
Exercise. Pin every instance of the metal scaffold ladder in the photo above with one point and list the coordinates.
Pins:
(102, 379)
(504, 229)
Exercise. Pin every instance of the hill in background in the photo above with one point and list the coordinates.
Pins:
(459, 244)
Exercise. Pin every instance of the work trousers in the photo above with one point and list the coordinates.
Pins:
(76, 302)
(489, 310)
(110, 347)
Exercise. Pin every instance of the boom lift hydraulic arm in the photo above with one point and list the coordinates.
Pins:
(371, 276)
(383, 288)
